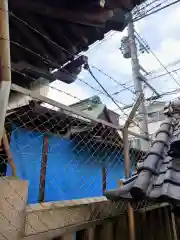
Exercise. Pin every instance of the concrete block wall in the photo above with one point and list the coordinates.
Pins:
(13, 200)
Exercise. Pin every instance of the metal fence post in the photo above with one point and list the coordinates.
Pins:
(5, 63)
(127, 162)
(127, 175)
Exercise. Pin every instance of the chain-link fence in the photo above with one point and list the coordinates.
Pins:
(67, 156)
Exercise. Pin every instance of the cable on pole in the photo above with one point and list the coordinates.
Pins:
(165, 68)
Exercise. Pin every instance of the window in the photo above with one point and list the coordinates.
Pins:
(156, 116)
(153, 117)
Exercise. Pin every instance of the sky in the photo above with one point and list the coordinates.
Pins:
(161, 31)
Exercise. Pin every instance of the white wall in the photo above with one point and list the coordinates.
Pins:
(19, 99)
(152, 126)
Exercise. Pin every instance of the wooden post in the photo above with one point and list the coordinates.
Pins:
(82, 235)
(162, 233)
(43, 169)
(91, 234)
(107, 231)
(70, 236)
(168, 225)
(174, 227)
(5, 63)
(104, 174)
(127, 175)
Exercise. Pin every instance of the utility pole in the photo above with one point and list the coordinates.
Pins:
(137, 82)
(5, 63)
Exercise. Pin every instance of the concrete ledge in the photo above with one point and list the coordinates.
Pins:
(49, 220)
(13, 200)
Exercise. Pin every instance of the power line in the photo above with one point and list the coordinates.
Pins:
(164, 74)
(155, 11)
(149, 79)
(175, 91)
(171, 64)
(168, 72)
(62, 49)
(63, 70)
(120, 84)
(113, 100)
(96, 44)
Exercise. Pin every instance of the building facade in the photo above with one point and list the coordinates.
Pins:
(155, 112)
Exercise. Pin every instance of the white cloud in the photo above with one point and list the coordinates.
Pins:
(171, 23)
(166, 53)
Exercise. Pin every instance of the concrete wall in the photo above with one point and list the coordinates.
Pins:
(13, 200)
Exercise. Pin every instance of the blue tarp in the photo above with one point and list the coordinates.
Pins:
(115, 170)
(70, 173)
(26, 149)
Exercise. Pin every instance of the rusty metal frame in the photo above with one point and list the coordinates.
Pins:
(5, 81)
(70, 110)
(127, 164)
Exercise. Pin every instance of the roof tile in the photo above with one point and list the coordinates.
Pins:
(158, 178)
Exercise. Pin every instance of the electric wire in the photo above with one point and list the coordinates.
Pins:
(155, 11)
(48, 61)
(113, 100)
(165, 68)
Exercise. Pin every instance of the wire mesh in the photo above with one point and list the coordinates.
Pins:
(68, 160)
(65, 158)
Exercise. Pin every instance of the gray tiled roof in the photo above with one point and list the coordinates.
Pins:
(158, 178)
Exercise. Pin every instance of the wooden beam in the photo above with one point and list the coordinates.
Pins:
(153, 207)
(56, 51)
(33, 40)
(43, 169)
(86, 17)
(24, 66)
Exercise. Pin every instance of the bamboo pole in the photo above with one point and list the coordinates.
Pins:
(5, 63)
